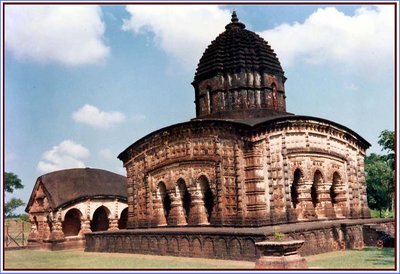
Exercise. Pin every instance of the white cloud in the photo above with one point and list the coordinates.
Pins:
(107, 154)
(67, 34)
(183, 31)
(67, 154)
(92, 116)
(360, 42)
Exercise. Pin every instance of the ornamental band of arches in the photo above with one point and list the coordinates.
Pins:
(74, 221)
(317, 194)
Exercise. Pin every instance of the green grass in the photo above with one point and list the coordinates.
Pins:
(77, 259)
(369, 257)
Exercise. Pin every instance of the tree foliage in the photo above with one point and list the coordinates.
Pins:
(379, 171)
(12, 182)
(11, 205)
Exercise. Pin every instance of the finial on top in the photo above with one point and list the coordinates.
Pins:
(235, 24)
(234, 17)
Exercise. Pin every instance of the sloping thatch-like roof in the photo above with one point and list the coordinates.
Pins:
(71, 185)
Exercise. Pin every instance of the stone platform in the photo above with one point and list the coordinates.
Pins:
(235, 243)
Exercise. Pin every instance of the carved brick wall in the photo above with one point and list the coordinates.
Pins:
(250, 173)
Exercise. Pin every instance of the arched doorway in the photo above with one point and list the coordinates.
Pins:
(100, 220)
(185, 196)
(318, 179)
(294, 189)
(207, 195)
(123, 219)
(72, 222)
(166, 200)
(336, 182)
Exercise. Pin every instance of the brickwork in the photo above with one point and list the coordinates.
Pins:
(250, 171)
(228, 243)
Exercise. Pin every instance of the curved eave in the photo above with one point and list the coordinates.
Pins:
(198, 122)
(92, 198)
(282, 119)
(245, 124)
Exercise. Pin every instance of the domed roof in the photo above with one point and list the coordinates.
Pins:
(237, 49)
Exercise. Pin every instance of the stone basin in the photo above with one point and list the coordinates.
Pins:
(280, 255)
(280, 248)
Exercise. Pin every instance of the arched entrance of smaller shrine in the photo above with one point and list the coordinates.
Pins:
(123, 219)
(100, 221)
(72, 222)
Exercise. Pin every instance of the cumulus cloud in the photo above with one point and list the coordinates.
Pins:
(67, 34)
(182, 31)
(92, 116)
(364, 40)
(67, 154)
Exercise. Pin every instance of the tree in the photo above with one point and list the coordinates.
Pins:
(11, 205)
(12, 182)
(379, 171)
(379, 177)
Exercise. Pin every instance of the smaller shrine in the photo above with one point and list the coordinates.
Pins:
(66, 204)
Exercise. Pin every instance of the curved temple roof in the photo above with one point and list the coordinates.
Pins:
(66, 186)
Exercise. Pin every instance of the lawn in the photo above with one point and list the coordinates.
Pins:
(77, 259)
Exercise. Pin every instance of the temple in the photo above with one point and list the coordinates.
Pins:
(244, 161)
(214, 185)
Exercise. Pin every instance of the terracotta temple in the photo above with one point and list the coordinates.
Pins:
(244, 160)
(66, 204)
(215, 185)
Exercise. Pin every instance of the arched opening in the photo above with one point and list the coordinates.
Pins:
(208, 197)
(72, 222)
(100, 220)
(166, 200)
(318, 179)
(294, 189)
(36, 222)
(336, 181)
(123, 219)
(185, 196)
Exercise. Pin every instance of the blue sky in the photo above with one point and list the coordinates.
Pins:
(84, 82)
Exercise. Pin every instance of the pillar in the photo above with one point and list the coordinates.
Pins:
(159, 214)
(198, 213)
(324, 207)
(177, 214)
(305, 208)
(57, 234)
(85, 225)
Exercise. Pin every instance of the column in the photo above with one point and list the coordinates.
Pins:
(198, 213)
(305, 208)
(159, 214)
(177, 214)
(324, 207)
(56, 234)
